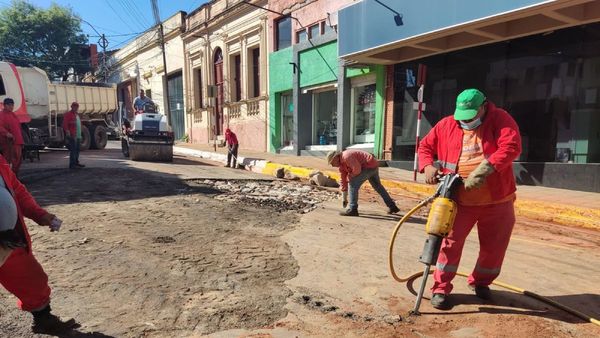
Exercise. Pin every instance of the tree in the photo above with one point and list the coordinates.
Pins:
(50, 39)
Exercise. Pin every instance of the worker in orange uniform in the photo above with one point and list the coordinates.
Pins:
(72, 127)
(356, 167)
(232, 147)
(11, 138)
(20, 272)
(480, 143)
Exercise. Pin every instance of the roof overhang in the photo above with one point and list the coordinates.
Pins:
(536, 19)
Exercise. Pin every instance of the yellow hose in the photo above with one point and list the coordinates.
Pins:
(497, 283)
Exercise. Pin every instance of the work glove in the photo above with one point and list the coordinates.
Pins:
(477, 177)
(344, 199)
(431, 174)
(55, 224)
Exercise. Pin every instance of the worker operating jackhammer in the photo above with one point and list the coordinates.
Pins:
(479, 142)
(20, 273)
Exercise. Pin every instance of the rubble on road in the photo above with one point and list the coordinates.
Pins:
(279, 196)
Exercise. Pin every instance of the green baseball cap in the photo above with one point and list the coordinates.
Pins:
(467, 104)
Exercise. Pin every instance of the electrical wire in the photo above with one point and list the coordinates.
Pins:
(132, 13)
(118, 15)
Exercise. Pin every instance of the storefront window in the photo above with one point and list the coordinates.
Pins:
(363, 111)
(325, 117)
(549, 83)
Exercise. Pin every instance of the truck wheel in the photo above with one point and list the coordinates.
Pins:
(85, 138)
(99, 137)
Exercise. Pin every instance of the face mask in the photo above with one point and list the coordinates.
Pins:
(470, 125)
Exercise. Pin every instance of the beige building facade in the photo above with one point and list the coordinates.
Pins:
(139, 66)
(225, 72)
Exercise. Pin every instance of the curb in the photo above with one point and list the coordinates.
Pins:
(532, 209)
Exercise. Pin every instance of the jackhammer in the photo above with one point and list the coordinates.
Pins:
(439, 224)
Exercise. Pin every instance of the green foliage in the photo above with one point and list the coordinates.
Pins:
(50, 39)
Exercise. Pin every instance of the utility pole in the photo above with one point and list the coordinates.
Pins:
(103, 42)
(161, 38)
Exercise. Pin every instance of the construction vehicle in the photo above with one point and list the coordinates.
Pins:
(40, 106)
(150, 138)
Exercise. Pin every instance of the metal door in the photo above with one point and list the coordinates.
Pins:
(175, 84)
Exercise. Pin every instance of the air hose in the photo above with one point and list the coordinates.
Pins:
(497, 283)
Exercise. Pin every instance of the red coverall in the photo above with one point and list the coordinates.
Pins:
(21, 274)
(351, 164)
(501, 143)
(9, 123)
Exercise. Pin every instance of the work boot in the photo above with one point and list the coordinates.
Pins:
(393, 209)
(440, 301)
(79, 165)
(349, 212)
(482, 291)
(46, 322)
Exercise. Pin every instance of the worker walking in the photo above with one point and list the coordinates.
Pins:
(479, 143)
(72, 127)
(356, 167)
(11, 138)
(232, 147)
(20, 272)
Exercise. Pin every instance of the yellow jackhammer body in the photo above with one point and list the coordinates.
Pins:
(439, 224)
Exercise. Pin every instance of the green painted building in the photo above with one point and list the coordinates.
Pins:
(317, 104)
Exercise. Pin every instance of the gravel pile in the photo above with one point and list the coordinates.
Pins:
(279, 196)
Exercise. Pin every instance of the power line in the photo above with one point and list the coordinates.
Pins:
(133, 13)
(116, 35)
(119, 16)
(148, 22)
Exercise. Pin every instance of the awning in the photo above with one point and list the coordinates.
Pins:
(538, 18)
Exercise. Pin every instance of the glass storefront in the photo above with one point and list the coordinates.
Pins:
(325, 117)
(549, 83)
(363, 114)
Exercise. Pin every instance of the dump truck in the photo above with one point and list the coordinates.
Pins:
(40, 106)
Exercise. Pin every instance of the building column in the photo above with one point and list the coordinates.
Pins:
(344, 107)
(388, 114)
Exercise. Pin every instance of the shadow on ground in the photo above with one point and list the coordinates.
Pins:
(64, 186)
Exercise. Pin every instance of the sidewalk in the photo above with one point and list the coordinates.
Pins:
(569, 207)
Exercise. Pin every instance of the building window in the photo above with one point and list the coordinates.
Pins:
(363, 121)
(301, 36)
(325, 117)
(254, 74)
(149, 93)
(314, 31)
(236, 74)
(327, 28)
(198, 88)
(284, 33)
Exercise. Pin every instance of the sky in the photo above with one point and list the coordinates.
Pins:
(119, 20)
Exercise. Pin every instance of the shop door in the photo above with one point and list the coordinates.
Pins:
(325, 117)
(287, 120)
(219, 99)
(175, 85)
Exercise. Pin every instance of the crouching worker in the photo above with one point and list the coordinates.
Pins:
(356, 167)
(20, 272)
